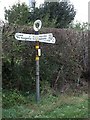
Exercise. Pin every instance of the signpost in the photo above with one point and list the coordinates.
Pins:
(46, 38)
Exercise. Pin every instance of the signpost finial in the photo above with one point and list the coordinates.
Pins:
(37, 25)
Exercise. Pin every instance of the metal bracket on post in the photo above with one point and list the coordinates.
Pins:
(39, 23)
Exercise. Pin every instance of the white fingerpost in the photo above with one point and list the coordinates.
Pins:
(37, 26)
(46, 38)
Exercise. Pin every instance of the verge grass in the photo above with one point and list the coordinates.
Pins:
(62, 106)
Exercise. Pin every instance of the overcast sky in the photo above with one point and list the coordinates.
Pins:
(81, 7)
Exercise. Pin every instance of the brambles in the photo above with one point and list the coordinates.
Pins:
(60, 64)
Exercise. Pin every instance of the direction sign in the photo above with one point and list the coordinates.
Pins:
(47, 38)
(53, 40)
(25, 37)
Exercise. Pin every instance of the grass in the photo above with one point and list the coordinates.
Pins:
(62, 106)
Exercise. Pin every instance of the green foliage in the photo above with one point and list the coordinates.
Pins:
(12, 98)
(65, 111)
(17, 14)
(61, 64)
(80, 26)
(53, 14)
(16, 112)
(62, 106)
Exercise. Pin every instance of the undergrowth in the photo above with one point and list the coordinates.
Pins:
(16, 105)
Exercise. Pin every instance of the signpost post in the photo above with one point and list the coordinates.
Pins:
(47, 38)
(37, 59)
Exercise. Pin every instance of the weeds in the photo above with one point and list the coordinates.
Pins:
(62, 106)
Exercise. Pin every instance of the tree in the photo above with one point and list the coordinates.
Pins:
(80, 26)
(17, 14)
(53, 14)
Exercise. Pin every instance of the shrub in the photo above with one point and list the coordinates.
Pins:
(60, 63)
(11, 98)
